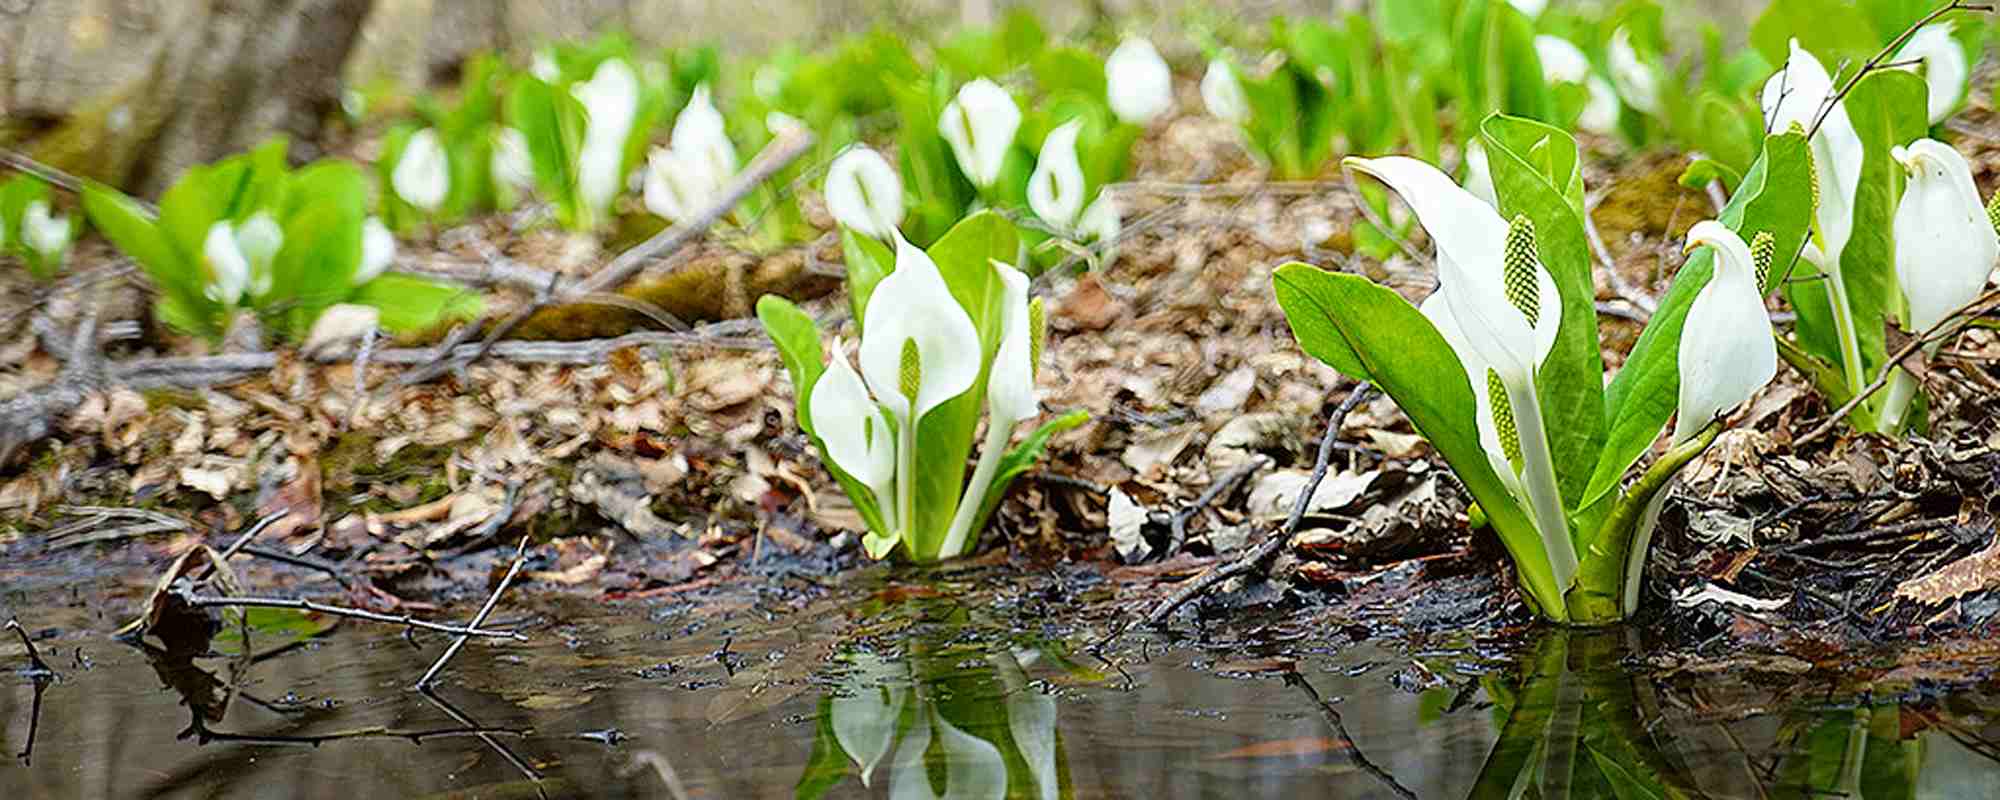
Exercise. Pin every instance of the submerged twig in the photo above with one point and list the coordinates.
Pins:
(1332, 717)
(1279, 538)
(203, 601)
(37, 668)
(520, 560)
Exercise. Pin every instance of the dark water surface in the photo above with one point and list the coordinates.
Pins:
(942, 690)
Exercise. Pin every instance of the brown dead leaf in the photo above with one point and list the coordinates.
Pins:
(1088, 306)
(1972, 573)
(1284, 748)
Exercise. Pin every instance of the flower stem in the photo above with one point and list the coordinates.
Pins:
(998, 432)
(906, 484)
(1843, 324)
(1538, 476)
(1896, 399)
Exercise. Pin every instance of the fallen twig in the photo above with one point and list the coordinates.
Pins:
(1625, 291)
(1178, 524)
(774, 157)
(533, 775)
(1944, 328)
(520, 560)
(1278, 539)
(37, 668)
(21, 162)
(203, 601)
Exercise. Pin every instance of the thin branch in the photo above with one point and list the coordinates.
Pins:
(1877, 61)
(1279, 538)
(1944, 328)
(520, 560)
(1215, 490)
(1625, 291)
(22, 162)
(202, 601)
(37, 668)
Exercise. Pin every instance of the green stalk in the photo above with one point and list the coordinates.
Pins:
(998, 433)
(1632, 521)
(1538, 476)
(1843, 326)
(906, 484)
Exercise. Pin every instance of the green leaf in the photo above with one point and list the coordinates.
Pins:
(827, 766)
(1703, 171)
(1888, 109)
(15, 197)
(184, 303)
(327, 205)
(552, 123)
(410, 304)
(1537, 172)
(1399, 349)
(797, 338)
(1776, 196)
(1020, 459)
(965, 256)
(1832, 29)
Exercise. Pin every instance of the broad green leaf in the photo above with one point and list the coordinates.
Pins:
(1888, 109)
(1776, 196)
(183, 302)
(1834, 30)
(410, 304)
(965, 256)
(552, 123)
(1537, 173)
(797, 338)
(1403, 354)
(1020, 459)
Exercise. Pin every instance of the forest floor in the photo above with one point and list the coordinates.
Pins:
(667, 464)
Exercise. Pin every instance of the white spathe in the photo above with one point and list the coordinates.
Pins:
(673, 186)
(610, 103)
(228, 270)
(1945, 244)
(1101, 221)
(1010, 398)
(979, 124)
(260, 238)
(1471, 241)
(1222, 93)
(1795, 95)
(1138, 83)
(1945, 67)
(1437, 309)
(43, 231)
(854, 431)
(378, 251)
(973, 768)
(423, 174)
(513, 163)
(1634, 78)
(913, 305)
(1532, 8)
(1726, 350)
(1055, 190)
(701, 137)
(864, 193)
(1564, 62)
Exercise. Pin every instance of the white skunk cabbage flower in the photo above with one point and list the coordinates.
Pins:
(239, 257)
(1222, 93)
(864, 718)
(1138, 82)
(1564, 62)
(378, 251)
(854, 430)
(1532, 8)
(1726, 350)
(513, 164)
(1055, 190)
(979, 124)
(700, 138)
(864, 193)
(673, 186)
(1010, 398)
(919, 349)
(1945, 67)
(1479, 174)
(543, 66)
(1100, 220)
(1505, 309)
(423, 173)
(1794, 96)
(1031, 721)
(610, 102)
(1634, 78)
(1945, 242)
(259, 238)
(46, 233)
(974, 768)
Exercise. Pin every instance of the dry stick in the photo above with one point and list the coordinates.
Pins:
(533, 775)
(203, 601)
(1625, 291)
(774, 157)
(1280, 537)
(21, 162)
(520, 560)
(1937, 332)
(1215, 490)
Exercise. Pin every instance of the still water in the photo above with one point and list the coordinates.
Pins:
(904, 689)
